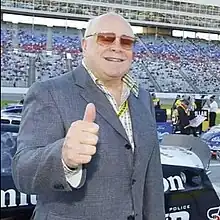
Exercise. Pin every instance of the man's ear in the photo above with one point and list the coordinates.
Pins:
(133, 54)
(84, 45)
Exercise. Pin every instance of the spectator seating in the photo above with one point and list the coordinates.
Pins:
(161, 64)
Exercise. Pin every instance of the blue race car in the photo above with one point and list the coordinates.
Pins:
(212, 138)
(12, 109)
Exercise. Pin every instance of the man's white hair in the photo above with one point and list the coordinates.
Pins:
(92, 22)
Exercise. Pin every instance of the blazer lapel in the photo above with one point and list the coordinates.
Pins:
(92, 94)
(143, 129)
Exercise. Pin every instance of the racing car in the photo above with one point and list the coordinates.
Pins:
(188, 192)
(12, 108)
(11, 114)
(212, 138)
(10, 118)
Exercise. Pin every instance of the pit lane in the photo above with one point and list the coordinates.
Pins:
(215, 175)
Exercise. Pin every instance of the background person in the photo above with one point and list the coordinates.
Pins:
(213, 108)
(183, 117)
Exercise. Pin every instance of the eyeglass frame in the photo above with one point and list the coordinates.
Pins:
(96, 34)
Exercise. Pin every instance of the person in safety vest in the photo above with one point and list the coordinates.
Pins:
(183, 117)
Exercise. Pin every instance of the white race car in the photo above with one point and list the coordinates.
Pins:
(189, 194)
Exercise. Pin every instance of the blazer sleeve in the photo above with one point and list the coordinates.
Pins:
(37, 165)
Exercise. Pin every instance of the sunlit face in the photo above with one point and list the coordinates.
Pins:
(108, 50)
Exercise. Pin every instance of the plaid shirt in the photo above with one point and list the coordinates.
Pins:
(129, 85)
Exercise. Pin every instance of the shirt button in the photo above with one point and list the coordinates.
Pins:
(128, 146)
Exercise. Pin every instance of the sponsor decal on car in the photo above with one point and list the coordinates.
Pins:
(183, 215)
(10, 195)
(178, 213)
(174, 183)
(214, 213)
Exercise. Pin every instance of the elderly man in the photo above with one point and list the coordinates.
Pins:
(87, 144)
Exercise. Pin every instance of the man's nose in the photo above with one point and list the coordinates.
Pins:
(116, 45)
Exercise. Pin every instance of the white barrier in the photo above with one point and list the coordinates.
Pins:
(13, 90)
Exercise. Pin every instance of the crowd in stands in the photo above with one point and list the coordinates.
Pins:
(161, 64)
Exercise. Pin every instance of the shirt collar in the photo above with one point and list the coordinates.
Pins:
(127, 79)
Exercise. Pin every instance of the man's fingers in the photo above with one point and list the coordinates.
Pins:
(89, 138)
(83, 159)
(81, 138)
(90, 113)
(91, 128)
(87, 149)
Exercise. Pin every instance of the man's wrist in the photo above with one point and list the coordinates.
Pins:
(67, 168)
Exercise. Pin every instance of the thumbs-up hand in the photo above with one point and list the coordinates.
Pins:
(81, 139)
(90, 113)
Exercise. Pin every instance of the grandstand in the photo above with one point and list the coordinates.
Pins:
(162, 62)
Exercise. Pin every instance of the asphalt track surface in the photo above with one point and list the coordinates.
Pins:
(11, 97)
(215, 175)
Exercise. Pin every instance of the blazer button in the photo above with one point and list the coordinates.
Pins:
(133, 181)
(128, 146)
(58, 186)
(130, 217)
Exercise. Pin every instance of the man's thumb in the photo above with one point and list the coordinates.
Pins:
(90, 113)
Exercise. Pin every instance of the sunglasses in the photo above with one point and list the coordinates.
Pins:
(107, 39)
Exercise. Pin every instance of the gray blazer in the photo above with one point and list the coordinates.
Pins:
(116, 182)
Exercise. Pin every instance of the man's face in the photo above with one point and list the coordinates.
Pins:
(109, 48)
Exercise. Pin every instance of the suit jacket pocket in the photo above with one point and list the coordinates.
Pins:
(55, 216)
